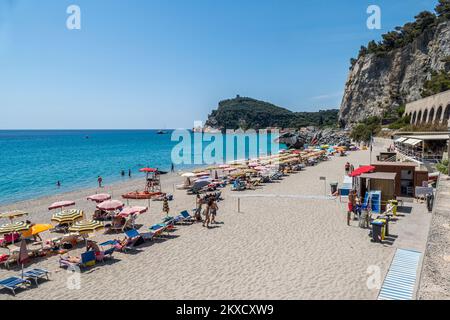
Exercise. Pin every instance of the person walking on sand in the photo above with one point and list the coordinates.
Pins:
(99, 180)
(347, 168)
(207, 212)
(213, 211)
(198, 208)
(350, 206)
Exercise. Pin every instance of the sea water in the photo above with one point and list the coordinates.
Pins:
(32, 161)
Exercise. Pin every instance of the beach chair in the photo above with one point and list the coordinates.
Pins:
(158, 229)
(87, 260)
(184, 217)
(14, 283)
(35, 274)
(10, 259)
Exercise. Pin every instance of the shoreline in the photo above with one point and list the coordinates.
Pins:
(272, 248)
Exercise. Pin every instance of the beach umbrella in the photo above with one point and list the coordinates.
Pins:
(148, 170)
(36, 229)
(61, 204)
(101, 197)
(362, 170)
(23, 254)
(188, 175)
(67, 216)
(132, 210)
(166, 208)
(86, 226)
(201, 183)
(11, 215)
(204, 173)
(14, 227)
(111, 205)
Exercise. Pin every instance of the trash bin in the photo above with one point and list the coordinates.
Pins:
(378, 230)
(334, 187)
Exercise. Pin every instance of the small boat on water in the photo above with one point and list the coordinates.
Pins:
(161, 132)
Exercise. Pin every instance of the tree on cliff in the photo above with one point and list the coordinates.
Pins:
(443, 9)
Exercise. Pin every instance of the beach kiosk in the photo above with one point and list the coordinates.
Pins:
(379, 188)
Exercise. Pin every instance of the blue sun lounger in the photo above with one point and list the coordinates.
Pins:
(36, 274)
(14, 283)
(87, 260)
(184, 217)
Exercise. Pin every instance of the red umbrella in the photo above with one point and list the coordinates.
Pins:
(362, 170)
(101, 197)
(132, 210)
(61, 204)
(110, 205)
(148, 170)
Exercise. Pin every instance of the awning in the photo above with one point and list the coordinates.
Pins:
(400, 140)
(413, 142)
(380, 175)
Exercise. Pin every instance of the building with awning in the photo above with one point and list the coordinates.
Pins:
(424, 147)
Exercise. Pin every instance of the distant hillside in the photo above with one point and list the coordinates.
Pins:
(248, 113)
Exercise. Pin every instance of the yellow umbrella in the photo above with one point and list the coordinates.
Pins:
(36, 229)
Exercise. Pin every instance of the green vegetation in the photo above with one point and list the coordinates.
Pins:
(247, 113)
(443, 167)
(366, 129)
(405, 35)
(439, 82)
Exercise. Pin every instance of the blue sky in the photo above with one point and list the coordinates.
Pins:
(166, 63)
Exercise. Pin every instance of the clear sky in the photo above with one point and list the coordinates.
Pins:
(166, 63)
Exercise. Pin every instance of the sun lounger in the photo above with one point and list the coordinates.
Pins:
(14, 283)
(158, 229)
(10, 259)
(184, 217)
(87, 260)
(36, 274)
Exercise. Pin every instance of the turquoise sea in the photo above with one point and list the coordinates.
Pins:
(32, 161)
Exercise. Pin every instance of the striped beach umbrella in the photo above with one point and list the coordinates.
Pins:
(61, 204)
(68, 216)
(99, 198)
(11, 228)
(13, 214)
(111, 205)
(88, 226)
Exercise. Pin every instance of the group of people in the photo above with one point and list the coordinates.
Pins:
(355, 206)
(349, 168)
(209, 212)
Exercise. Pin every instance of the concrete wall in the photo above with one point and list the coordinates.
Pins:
(433, 109)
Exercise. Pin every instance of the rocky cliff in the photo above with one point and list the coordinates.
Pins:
(380, 83)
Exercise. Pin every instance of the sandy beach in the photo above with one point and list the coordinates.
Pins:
(288, 242)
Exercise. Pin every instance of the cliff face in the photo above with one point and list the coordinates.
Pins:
(382, 83)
